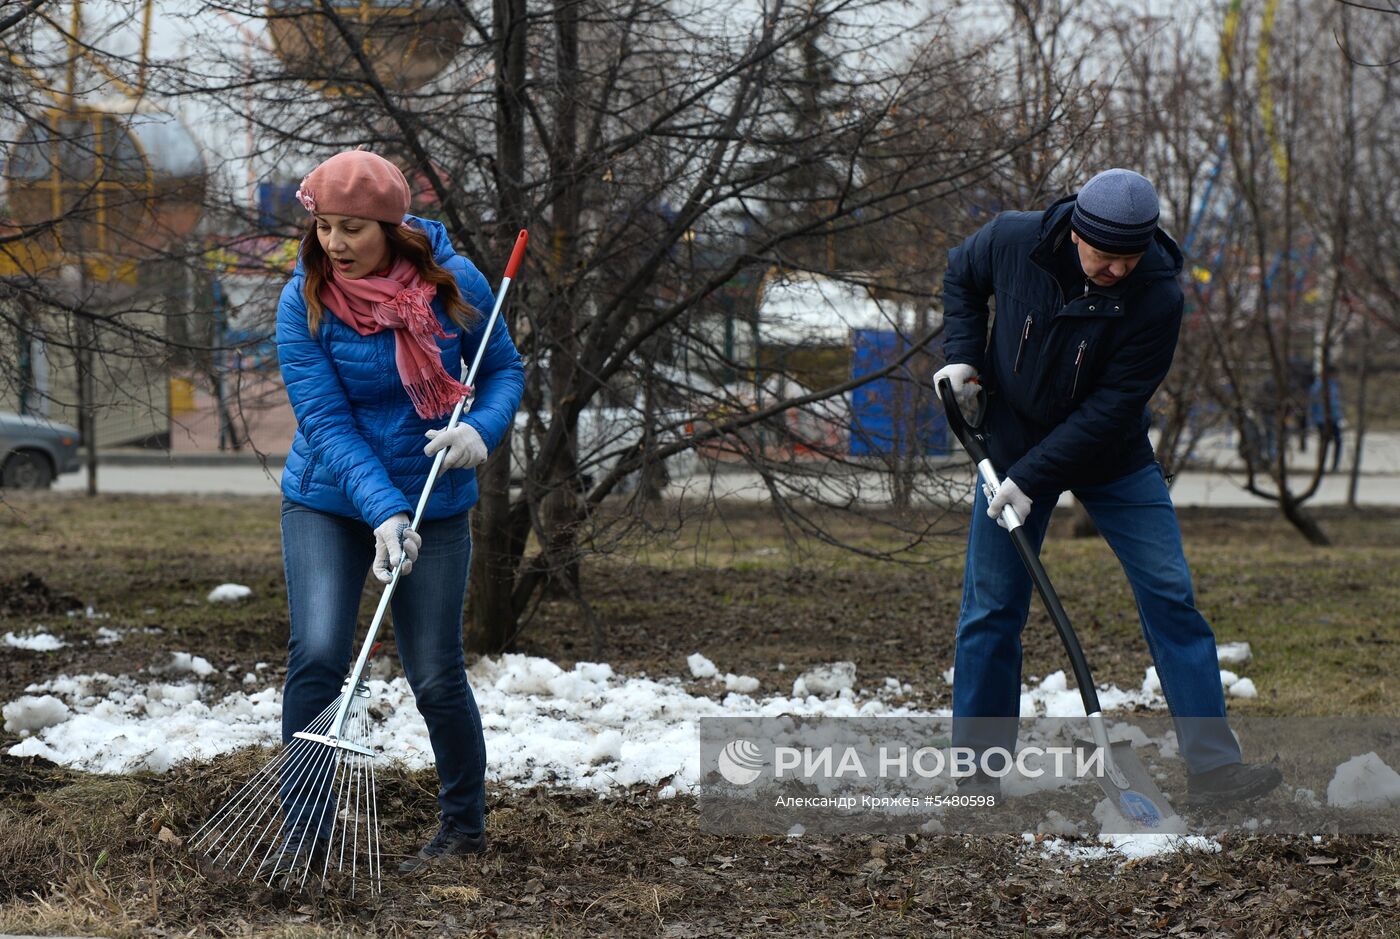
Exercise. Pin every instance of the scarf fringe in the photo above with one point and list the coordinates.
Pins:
(433, 397)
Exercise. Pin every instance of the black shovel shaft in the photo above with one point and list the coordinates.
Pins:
(973, 441)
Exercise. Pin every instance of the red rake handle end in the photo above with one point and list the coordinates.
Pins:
(518, 253)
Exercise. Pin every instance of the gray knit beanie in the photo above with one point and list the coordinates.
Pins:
(1116, 212)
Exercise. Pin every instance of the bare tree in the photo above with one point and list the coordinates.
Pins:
(92, 241)
(666, 159)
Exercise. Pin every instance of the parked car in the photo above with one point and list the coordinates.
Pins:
(33, 451)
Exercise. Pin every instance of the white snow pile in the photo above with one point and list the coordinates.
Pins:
(1053, 697)
(701, 668)
(1233, 653)
(1364, 781)
(184, 662)
(1232, 684)
(584, 727)
(36, 641)
(838, 678)
(1122, 846)
(106, 636)
(28, 714)
(229, 593)
(1244, 688)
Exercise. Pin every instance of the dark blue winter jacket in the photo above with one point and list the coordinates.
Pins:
(358, 450)
(1068, 378)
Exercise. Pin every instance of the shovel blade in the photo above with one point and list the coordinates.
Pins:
(1141, 803)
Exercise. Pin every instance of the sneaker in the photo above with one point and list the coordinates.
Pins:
(1234, 782)
(450, 841)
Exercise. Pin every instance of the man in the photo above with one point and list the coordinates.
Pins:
(1087, 314)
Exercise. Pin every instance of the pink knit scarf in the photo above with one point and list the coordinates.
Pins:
(401, 301)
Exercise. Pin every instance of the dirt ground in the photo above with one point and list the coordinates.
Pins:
(89, 855)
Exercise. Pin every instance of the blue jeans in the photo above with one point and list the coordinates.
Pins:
(1136, 517)
(327, 558)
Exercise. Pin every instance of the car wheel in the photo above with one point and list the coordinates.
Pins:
(26, 471)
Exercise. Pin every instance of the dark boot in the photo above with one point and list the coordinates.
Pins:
(980, 784)
(450, 841)
(1234, 782)
(292, 859)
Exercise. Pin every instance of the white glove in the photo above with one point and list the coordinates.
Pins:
(393, 540)
(1009, 494)
(964, 380)
(465, 448)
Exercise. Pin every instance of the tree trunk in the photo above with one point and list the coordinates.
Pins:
(1363, 371)
(1301, 520)
(559, 511)
(491, 613)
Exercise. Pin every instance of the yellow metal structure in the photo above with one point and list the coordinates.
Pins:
(406, 42)
(95, 185)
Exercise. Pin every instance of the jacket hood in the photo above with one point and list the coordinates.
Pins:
(1163, 260)
(437, 236)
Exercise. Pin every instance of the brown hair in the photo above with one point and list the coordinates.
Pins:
(404, 242)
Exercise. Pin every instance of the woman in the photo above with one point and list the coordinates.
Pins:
(371, 333)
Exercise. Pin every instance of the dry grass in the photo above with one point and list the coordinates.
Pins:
(84, 855)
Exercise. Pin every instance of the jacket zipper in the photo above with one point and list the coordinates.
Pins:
(1078, 361)
(1021, 347)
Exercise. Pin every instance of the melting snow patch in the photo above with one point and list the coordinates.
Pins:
(29, 714)
(1364, 780)
(825, 680)
(584, 727)
(229, 593)
(38, 641)
(1054, 698)
(744, 684)
(701, 667)
(185, 662)
(1244, 688)
(1169, 839)
(1233, 653)
(106, 636)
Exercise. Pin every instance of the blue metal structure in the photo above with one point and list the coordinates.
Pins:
(891, 415)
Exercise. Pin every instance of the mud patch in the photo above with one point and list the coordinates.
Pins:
(28, 595)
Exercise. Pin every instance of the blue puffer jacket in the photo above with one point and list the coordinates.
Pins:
(359, 444)
(1068, 379)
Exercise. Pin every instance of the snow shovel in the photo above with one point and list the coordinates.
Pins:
(1124, 779)
(324, 778)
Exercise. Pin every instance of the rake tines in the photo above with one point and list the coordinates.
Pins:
(307, 815)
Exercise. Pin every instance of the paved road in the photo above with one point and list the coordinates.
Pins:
(1219, 488)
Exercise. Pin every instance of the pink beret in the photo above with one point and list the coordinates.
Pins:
(356, 183)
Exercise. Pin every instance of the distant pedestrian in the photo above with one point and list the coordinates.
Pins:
(1325, 414)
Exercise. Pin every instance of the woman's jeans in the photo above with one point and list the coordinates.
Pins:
(327, 558)
(1136, 517)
